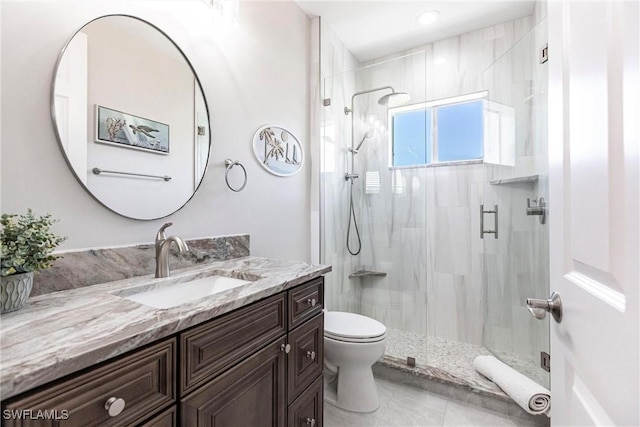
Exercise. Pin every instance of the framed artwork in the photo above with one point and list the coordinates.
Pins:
(126, 130)
(278, 150)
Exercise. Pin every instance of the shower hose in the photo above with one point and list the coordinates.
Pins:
(352, 219)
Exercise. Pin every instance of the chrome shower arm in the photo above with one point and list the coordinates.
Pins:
(349, 110)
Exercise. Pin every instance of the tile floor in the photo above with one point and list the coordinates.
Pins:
(402, 405)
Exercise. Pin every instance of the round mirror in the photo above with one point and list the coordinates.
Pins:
(131, 117)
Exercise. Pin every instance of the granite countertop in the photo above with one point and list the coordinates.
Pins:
(59, 333)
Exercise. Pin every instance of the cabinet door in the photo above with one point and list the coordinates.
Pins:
(306, 410)
(306, 357)
(250, 394)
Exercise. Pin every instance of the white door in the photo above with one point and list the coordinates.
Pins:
(594, 121)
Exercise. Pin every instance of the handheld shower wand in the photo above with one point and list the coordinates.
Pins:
(368, 134)
(392, 99)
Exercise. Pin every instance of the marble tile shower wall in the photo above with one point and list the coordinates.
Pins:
(422, 228)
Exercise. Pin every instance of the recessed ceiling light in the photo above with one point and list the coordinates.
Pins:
(427, 18)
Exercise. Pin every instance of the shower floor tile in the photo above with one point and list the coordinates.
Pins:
(454, 357)
(453, 360)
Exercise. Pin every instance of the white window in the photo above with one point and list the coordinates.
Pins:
(461, 128)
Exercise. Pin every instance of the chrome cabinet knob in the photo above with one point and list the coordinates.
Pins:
(312, 302)
(311, 355)
(114, 406)
(285, 347)
(539, 307)
(311, 422)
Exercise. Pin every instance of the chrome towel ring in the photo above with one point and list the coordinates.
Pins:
(229, 165)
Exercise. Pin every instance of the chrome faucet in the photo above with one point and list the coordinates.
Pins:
(163, 244)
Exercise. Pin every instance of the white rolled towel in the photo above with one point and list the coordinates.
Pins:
(530, 395)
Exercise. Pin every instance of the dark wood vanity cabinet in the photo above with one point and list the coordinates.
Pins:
(259, 365)
(279, 385)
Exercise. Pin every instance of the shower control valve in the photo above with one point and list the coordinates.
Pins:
(350, 176)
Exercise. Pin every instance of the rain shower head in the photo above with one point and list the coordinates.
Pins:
(394, 99)
(390, 100)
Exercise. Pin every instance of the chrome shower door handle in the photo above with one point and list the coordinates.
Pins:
(540, 307)
(495, 222)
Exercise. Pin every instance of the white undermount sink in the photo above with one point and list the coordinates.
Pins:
(175, 294)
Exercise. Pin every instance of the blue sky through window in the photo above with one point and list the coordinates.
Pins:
(412, 137)
(439, 131)
(460, 132)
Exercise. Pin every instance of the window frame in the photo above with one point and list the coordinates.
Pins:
(433, 105)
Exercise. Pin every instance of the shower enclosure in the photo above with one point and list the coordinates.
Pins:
(422, 266)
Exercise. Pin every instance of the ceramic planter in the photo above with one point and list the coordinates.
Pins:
(14, 291)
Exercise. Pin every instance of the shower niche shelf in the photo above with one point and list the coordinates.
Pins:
(515, 180)
(366, 273)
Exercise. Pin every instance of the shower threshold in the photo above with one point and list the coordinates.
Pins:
(446, 367)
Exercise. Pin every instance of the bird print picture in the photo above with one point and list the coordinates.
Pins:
(278, 150)
(126, 130)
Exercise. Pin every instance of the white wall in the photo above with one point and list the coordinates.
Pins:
(253, 74)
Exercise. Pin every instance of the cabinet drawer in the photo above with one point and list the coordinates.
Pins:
(209, 349)
(249, 394)
(306, 411)
(305, 361)
(144, 380)
(305, 302)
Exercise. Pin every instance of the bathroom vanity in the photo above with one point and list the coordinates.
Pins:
(251, 356)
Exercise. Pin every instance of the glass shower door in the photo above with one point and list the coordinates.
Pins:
(387, 279)
(516, 261)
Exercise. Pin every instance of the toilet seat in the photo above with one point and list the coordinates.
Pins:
(351, 327)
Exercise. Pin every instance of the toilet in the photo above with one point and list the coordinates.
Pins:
(352, 344)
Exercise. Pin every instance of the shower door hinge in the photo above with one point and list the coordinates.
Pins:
(544, 53)
(545, 361)
(326, 102)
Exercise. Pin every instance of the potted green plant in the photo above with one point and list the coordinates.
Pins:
(27, 243)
